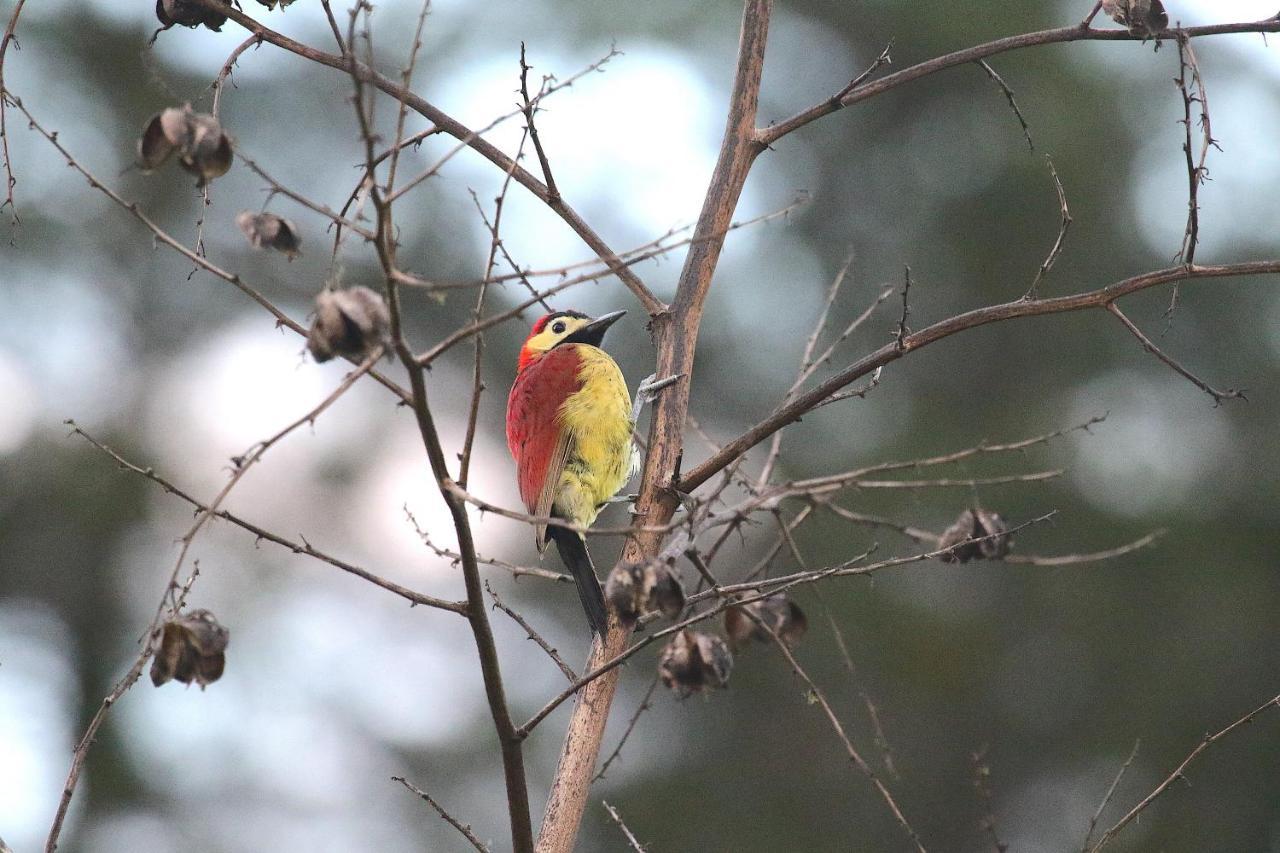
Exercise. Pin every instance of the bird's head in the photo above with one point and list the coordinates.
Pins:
(565, 327)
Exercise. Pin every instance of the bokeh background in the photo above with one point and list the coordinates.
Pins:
(333, 686)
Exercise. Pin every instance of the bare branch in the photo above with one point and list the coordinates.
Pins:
(1080, 32)
(981, 777)
(675, 334)
(792, 411)
(1061, 241)
(302, 547)
(1208, 741)
(1197, 173)
(531, 128)
(1115, 783)
(1149, 346)
(645, 704)
(1013, 102)
(631, 839)
(533, 635)
(854, 756)
(457, 130)
(465, 829)
(10, 36)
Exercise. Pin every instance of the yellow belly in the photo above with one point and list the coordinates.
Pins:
(602, 456)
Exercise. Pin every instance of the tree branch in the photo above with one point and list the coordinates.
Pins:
(676, 335)
(1080, 32)
(459, 131)
(794, 410)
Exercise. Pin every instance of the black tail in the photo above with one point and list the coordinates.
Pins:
(573, 551)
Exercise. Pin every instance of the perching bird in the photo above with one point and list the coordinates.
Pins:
(569, 429)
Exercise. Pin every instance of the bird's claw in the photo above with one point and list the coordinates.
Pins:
(647, 391)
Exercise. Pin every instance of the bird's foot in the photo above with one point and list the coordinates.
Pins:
(648, 389)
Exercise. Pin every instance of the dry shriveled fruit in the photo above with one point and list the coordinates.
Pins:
(694, 662)
(640, 588)
(184, 13)
(780, 613)
(978, 534)
(350, 322)
(1142, 17)
(192, 649)
(202, 146)
(268, 231)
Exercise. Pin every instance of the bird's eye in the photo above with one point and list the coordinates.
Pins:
(558, 327)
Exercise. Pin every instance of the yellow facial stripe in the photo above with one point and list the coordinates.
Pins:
(547, 338)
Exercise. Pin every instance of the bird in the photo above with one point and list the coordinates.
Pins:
(569, 429)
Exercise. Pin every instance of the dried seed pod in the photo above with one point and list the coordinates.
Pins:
(268, 231)
(780, 613)
(1142, 17)
(994, 538)
(639, 588)
(977, 534)
(350, 322)
(958, 538)
(203, 147)
(165, 132)
(192, 648)
(694, 662)
(184, 13)
(207, 153)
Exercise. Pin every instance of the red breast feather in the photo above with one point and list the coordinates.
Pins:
(533, 427)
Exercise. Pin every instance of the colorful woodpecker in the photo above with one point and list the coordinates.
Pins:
(569, 429)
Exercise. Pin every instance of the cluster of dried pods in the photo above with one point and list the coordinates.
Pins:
(696, 661)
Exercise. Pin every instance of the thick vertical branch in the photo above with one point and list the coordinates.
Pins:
(676, 333)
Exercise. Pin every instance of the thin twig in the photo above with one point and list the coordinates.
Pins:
(816, 694)
(10, 37)
(528, 108)
(790, 412)
(645, 704)
(385, 245)
(1111, 791)
(1013, 102)
(533, 635)
(981, 783)
(1177, 774)
(171, 602)
(1150, 346)
(873, 713)
(463, 828)
(903, 331)
(1060, 242)
(304, 547)
(631, 839)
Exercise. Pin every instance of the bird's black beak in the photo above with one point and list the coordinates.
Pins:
(593, 332)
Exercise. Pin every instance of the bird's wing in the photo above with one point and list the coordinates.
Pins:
(535, 434)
